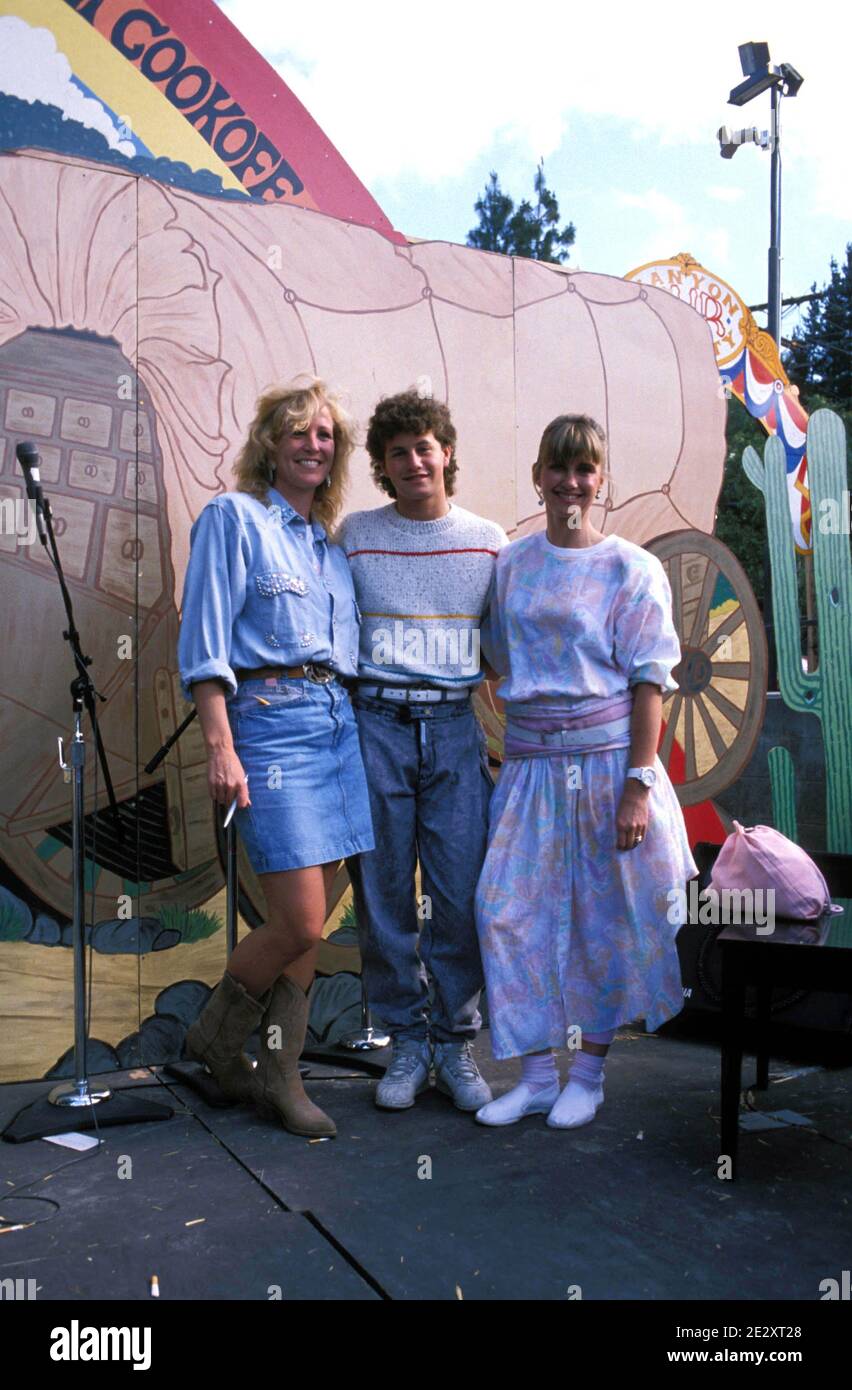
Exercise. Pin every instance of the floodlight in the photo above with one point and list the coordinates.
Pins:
(728, 146)
(730, 140)
(756, 83)
(792, 79)
(753, 56)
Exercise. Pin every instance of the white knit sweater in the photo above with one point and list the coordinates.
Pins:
(421, 587)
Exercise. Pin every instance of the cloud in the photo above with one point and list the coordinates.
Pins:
(724, 194)
(667, 229)
(32, 68)
(428, 90)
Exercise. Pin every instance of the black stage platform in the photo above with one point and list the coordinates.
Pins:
(220, 1205)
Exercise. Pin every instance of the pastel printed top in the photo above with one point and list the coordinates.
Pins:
(263, 588)
(569, 630)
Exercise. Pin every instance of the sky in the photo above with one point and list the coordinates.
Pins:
(622, 102)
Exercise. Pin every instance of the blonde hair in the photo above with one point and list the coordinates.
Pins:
(287, 408)
(571, 437)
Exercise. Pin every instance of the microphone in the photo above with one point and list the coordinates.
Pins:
(28, 458)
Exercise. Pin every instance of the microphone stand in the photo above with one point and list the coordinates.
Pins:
(366, 1038)
(83, 690)
(78, 1095)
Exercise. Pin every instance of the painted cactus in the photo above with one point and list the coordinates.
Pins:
(826, 692)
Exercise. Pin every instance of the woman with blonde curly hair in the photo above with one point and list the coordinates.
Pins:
(269, 626)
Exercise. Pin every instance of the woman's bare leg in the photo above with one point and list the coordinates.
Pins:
(296, 903)
(303, 969)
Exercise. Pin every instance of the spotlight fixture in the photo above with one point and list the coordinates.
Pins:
(753, 57)
(792, 79)
(730, 140)
(760, 75)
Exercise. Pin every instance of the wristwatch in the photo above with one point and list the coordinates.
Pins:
(646, 775)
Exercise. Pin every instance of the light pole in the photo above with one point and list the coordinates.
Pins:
(760, 75)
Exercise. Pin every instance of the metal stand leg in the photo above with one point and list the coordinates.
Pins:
(764, 1015)
(733, 1005)
(366, 1039)
(78, 1093)
(231, 888)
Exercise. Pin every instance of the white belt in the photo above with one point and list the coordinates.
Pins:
(612, 733)
(411, 694)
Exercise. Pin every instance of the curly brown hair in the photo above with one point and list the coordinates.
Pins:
(409, 412)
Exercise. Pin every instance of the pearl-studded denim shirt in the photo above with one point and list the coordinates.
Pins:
(263, 588)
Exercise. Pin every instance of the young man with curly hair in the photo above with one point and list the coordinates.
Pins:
(422, 567)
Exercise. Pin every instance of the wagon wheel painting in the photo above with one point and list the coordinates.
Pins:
(712, 722)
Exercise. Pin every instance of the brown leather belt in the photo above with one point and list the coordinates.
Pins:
(319, 675)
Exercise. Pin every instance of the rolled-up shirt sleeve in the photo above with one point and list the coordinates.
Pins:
(646, 644)
(213, 597)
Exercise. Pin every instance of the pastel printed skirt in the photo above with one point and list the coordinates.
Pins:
(572, 930)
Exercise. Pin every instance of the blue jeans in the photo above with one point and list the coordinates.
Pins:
(429, 786)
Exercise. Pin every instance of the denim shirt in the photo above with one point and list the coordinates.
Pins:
(263, 588)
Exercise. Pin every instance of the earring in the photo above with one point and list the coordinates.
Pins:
(328, 481)
(540, 499)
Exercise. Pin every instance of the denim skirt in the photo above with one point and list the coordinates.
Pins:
(298, 744)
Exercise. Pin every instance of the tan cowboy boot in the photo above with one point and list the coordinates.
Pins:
(278, 1090)
(229, 1017)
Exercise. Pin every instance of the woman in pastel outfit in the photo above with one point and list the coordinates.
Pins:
(586, 837)
(269, 625)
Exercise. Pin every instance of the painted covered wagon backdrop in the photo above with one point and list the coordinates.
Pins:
(140, 317)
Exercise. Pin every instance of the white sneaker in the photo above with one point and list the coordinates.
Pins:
(407, 1074)
(576, 1106)
(515, 1104)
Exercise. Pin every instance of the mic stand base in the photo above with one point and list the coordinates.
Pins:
(76, 1094)
(43, 1117)
(365, 1040)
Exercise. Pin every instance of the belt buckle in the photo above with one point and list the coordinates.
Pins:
(318, 674)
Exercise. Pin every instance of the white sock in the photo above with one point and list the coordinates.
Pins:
(539, 1071)
(533, 1095)
(579, 1102)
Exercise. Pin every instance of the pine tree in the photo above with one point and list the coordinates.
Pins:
(837, 334)
(820, 360)
(740, 515)
(495, 210)
(526, 230)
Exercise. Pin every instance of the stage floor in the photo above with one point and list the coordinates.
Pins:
(220, 1205)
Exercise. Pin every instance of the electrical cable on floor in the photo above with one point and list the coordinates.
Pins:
(22, 1186)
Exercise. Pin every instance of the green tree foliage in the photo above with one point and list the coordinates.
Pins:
(820, 361)
(820, 364)
(740, 516)
(526, 230)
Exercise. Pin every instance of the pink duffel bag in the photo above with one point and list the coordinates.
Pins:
(761, 858)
